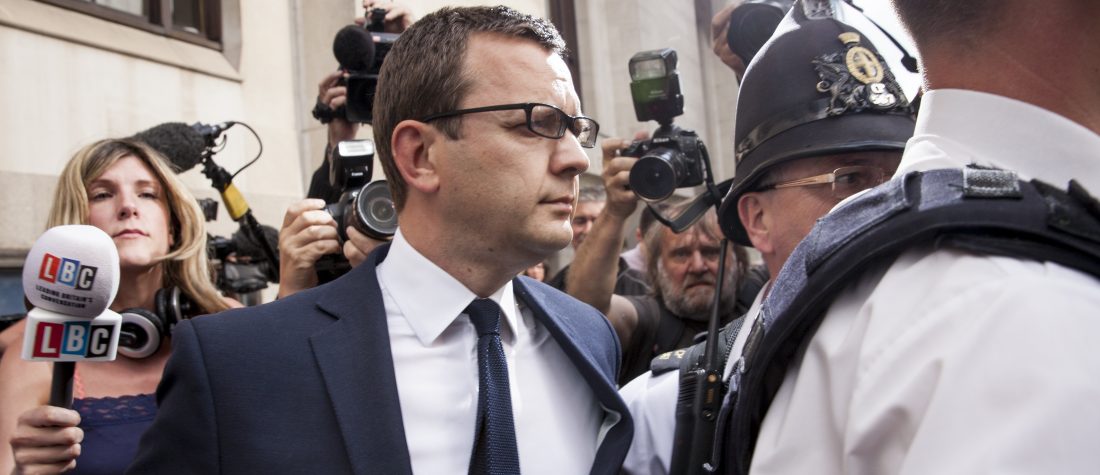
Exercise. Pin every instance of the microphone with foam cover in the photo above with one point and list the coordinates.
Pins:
(71, 276)
(353, 47)
(180, 143)
(186, 146)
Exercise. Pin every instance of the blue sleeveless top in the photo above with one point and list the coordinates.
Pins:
(112, 428)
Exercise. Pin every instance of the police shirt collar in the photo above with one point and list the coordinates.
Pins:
(957, 127)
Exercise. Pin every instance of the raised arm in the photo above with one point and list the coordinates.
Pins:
(594, 269)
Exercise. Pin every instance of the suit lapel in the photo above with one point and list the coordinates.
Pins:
(595, 361)
(356, 363)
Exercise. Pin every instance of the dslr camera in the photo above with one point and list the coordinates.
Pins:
(365, 205)
(360, 51)
(674, 157)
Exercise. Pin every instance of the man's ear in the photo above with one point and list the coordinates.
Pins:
(754, 217)
(411, 145)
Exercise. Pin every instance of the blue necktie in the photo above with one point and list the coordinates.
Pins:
(495, 451)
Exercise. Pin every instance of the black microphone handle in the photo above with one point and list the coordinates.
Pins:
(61, 388)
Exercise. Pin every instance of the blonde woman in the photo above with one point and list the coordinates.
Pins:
(124, 188)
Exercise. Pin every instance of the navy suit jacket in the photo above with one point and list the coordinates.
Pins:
(306, 384)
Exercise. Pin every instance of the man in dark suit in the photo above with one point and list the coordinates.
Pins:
(431, 357)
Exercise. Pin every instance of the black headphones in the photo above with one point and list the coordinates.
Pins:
(143, 330)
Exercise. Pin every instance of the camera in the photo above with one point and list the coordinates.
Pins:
(674, 157)
(752, 23)
(361, 51)
(236, 272)
(670, 160)
(239, 266)
(365, 205)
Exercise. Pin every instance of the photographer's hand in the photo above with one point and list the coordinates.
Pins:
(334, 95)
(719, 27)
(621, 201)
(358, 246)
(308, 233)
(398, 15)
(592, 274)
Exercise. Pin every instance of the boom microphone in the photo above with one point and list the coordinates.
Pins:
(71, 277)
(211, 132)
(183, 145)
(188, 145)
(180, 143)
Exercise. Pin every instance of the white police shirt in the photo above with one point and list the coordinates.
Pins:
(434, 345)
(948, 362)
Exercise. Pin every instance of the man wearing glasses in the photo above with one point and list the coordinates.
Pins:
(801, 149)
(431, 357)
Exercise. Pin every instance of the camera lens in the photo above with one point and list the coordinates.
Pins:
(375, 214)
(657, 174)
(381, 211)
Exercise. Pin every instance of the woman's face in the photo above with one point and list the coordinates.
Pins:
(128, 202)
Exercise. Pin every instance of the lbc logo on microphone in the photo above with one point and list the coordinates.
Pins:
(72, 339)
(66, 272)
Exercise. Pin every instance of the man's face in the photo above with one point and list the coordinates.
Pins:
(793, 211)
(511, 191)
(584, 218)
(687, 270)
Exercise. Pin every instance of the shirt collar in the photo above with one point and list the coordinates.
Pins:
(430, 298)
(957, 127)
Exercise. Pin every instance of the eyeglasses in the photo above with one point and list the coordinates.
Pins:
(543, 120)
(845, 181)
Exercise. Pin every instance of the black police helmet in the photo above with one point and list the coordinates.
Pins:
(818, 87)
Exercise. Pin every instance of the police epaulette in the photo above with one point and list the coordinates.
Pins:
(668, 360)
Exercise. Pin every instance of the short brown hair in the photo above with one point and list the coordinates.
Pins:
(426, 68)
(965, 22)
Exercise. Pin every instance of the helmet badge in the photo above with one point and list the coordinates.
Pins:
(856, 79)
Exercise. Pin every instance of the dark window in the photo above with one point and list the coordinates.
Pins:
(195, 21)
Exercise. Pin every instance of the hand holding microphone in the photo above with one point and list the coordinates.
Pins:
(71, 276)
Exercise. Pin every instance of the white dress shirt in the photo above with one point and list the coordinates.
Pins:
(949, 362)
(652, 402)
(434, 345)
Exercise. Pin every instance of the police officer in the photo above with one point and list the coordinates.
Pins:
(951, 361)
(812, 129)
